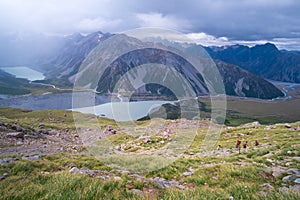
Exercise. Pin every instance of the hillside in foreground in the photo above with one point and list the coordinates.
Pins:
(42, 157)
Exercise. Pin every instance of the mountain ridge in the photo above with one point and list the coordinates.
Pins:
(265, 60)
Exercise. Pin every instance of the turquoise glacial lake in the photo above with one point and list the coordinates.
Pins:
(24, 72)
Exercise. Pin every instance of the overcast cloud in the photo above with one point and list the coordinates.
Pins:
(209, 21)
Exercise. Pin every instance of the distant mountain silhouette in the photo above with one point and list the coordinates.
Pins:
(263, 60)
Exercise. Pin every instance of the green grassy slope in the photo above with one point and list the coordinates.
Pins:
(216, 174)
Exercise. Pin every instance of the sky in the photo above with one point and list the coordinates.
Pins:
(208, 22)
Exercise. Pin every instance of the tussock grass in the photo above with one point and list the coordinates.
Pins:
(214, 176)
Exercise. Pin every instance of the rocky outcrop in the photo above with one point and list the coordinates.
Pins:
(159, 182)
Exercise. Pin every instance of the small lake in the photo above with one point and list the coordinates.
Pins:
(123, 111)
(24, 72)
(119, 111)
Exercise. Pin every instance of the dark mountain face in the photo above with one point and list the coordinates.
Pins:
(237, 82)
(263, 60)
(140, 57)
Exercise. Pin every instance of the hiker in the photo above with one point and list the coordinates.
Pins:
(238, 145)
(245, 144)
(219, 148)
(256, 143)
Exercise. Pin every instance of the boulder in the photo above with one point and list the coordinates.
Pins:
(3, 128)
(284, 189)
(3, 176)
(277, 172)
(137, 192)
(36, 157)
(41, 126)
(109, 130)
(117, 178)
(227, 135)
(118, 148)
(293, 171)
(286, 125)
(123, 171)
(160, 182)
(7, 160)
(187, 173)
(288, 178)
(147, 140)
(74, 170)
(17, 128)
(255, 124)
(85, 170)
(16, 135)
(191, 169)
(262, 193)
(295, 188)
(138, 178)
(267, 186)
(43, 131)
(52, 132)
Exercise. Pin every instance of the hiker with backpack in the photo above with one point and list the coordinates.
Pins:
(245, 145)
(238, 145)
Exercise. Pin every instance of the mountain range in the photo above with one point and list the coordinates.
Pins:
(243, 69)
(237, 81)
(263, 60)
